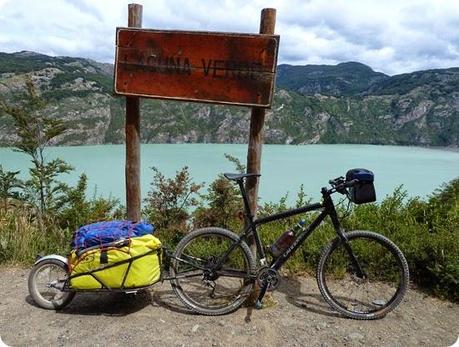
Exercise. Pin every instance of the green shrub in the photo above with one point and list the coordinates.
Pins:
(223, 202)
(427, 232)
(169, 200)
(76, 209)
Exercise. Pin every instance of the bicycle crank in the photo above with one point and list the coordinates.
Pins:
(268, 277)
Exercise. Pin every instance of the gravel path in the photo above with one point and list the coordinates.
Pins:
(156, 318)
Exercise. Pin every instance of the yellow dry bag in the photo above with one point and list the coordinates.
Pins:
(124, 264)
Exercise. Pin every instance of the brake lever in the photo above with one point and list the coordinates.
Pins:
(341, 189)
(335, 182)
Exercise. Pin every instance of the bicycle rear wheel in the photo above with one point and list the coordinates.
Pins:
(369, 294)
(199, 283)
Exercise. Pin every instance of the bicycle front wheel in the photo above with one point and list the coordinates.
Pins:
(364, 277)
(211, 273)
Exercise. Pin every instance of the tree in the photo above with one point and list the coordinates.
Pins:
(9, 185)
(36, 131)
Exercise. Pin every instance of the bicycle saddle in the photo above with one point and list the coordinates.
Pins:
(239, 176)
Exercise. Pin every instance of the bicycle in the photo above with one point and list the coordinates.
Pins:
(213, 270)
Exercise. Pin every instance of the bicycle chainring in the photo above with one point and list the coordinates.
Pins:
(269, 277)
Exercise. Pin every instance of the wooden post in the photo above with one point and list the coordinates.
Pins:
(132, 171)
(267, 25)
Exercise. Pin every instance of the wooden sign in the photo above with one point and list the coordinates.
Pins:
(224, 68)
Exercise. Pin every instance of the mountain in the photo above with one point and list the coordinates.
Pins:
(344, 79)
(346, 103)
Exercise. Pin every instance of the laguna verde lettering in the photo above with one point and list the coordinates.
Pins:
(160, 64)
(230, 69)
(209, 68)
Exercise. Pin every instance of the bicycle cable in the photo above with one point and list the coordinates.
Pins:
(348, 207)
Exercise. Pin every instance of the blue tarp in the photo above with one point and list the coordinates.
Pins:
(105, 232)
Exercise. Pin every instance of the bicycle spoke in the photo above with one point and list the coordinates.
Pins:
(186, 274)
(207, 278)
(45, 282)
(367, 296)
(233, 273)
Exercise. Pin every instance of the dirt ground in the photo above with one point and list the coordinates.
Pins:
(156, 318)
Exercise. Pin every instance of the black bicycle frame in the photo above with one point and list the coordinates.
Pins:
(328, 209)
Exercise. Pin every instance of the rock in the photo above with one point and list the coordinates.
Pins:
(354, 337)
(195, 328)
(321, 326)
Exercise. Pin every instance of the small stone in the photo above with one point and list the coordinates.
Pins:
(195, 328)
(355, 337)
(321, 326)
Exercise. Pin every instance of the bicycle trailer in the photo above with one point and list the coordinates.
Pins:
(126, 261)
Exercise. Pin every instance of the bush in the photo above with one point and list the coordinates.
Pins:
(426, 232)
(76, 210)
(168, 202)
(223, 203)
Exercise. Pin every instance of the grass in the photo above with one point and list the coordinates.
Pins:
(22, 239)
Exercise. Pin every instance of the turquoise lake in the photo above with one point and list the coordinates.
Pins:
(284, 167)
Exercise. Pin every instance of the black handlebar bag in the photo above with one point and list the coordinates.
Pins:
(364, 190)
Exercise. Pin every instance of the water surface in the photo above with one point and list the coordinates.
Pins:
(284, 167)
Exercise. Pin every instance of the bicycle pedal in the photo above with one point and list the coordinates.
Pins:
(258, 305)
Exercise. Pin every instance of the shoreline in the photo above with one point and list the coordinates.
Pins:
(440, 148)
(448, 149)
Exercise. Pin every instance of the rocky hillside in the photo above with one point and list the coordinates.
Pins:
(346, 103)
(345, 79)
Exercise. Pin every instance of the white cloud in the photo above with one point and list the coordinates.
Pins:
(393, 36)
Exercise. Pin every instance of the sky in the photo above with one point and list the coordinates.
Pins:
(390, 36)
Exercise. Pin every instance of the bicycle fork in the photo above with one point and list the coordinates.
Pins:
(355, 262)
(341, 234)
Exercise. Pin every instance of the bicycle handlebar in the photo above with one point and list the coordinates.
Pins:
(340, 184)
(336, 181)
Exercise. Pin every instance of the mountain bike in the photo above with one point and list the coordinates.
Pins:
(213, 270)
